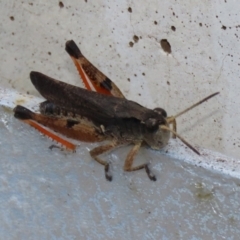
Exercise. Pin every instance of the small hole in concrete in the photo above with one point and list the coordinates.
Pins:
(130, 9)
(49, 53)
(61, 5)
(224, 27)
(131, 44)
(12, 18)
(135, 38)
(165, 46)
(173, 28)
(168, 83)
(200, 24)
(155, 22)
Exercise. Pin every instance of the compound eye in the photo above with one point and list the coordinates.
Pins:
(160, 111)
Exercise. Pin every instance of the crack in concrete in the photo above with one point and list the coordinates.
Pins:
(221, 68)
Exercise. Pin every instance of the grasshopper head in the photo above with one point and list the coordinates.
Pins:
(159, 138)
(160, 134)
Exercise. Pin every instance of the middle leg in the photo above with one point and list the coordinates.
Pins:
(129, 162)
(100, 150)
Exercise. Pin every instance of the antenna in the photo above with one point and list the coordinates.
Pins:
(182, 139)
(172, 120)
(195, 105)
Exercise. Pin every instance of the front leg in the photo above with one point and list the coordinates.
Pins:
(172, 120)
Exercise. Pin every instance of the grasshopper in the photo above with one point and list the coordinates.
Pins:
(96, 116)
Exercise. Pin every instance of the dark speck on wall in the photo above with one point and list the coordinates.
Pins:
(61, 5)
(135, 38)
(165, 46)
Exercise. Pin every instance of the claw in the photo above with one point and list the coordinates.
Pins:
(107, 173)
(151, 176)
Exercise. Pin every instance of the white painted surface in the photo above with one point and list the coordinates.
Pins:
(57, 195)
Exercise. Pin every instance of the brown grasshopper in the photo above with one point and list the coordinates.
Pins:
(98, 116)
